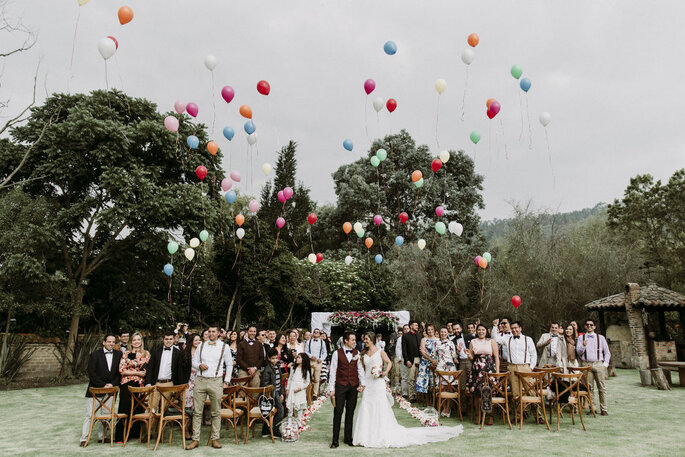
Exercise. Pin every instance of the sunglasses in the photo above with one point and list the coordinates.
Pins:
(589, 325)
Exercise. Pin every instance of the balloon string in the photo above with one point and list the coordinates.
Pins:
(311, 243)
(169, 295)
(463, 98)
(366, 117)
(73, 49)
(237, 254)
(425, 275)
(504, 139)
(182, 276)
(449, 259)
(380, 240)
(530, 128)
(111, 110)
(221, 221)
(190, 287)
(549, 154)
(275, 246)
(213, 104)
(437, 119)
(202, 198)
(521, 107)
(254, 232)
(368, 264)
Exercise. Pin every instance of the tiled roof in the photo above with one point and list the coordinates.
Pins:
(610, 303)
(651, 296)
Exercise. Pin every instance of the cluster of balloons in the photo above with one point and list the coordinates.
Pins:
(493, 108)
(189, 253)
(285, 194)
(468, 55)
(379, 157)
(417, 178)
(484, 260)
(516, 71)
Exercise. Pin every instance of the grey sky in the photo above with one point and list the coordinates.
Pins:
(611, 74)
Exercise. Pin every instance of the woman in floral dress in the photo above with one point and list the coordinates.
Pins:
(485, 356)
(424, 379)
(447, 354)
(132, 368)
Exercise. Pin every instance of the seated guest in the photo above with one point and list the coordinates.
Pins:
(103, 371)
(553, 348)
(522, 355)
(594, 352)
(233, 345)
(271, 376)
(446, 355)
(485, 357)
(250, 357)
(122, 344)
(132, 369)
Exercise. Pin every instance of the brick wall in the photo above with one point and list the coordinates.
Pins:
(44, 363)
(640, 356)
(665, 351)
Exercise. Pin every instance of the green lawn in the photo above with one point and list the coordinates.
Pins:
(642, 421)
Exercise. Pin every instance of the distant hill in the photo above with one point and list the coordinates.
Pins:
(498, 227)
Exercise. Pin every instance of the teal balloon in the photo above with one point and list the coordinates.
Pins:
(193, 142)
(375, 161)
(230, 196)
(204, 235)
(168, 269)
(419, 183)
(378, 258)
(475, 136)
(440, 227)
(399, 240)
(382, 154)
(516, 72)
(525, 84)
(172, 247)
(360, 233)
(487, 256)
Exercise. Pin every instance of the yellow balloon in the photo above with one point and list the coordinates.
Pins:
(440, 85)
(82, 2)
(421, 243)
(266, 168)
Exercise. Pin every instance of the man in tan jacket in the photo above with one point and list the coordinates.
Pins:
(553, 348)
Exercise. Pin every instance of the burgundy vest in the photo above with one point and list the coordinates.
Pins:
(346, 374)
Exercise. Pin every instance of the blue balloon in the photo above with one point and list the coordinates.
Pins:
(390, 48)
(230, 196)
(249, 127)
(525, 84)
(228, 133)
(379, 259)
(399, 241)
(168, 269)
(347, 144)
(193, 142)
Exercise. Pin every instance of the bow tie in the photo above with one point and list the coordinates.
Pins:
(517, 337)
(349, 351)
(108, 352)
(212, 344)
(167, 349)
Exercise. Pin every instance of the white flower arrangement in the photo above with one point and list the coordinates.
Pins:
(376, 372)
(356, 357)
(426, 420)
(309, 412)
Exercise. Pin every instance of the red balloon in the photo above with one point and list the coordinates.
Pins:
(391, 104)
(201, 172)
(116, 43)
(516, 301)
(404, 217)
(436, 164)
(263, 87)
(495, 107)
(311, 218)
(319, 257)
(491, 114)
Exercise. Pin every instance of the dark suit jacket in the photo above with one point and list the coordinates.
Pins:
(98, 374)
(411, 344)
(153, 366)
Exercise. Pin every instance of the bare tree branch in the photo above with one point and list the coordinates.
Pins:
(18, 117)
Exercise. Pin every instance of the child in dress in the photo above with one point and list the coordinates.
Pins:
(300, 377)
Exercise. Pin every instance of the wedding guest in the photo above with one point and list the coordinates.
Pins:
(450, 330)
(570, 338)
(242, 335)
(379, 341)
(411, 355)
(213, 362)
(294, 347)
(399, 368)
(271, 376)
(103, 371)
(233, 346)
(522, 355)
(574, 324)
(132, 369)
(326, 362)
(464, 362)
(300, 377)
(284, 357)
(164, 368)
(499, 336)
(205, 335)
(316, 351)
(188, 375)
(122, 344)
(271, 338)
(261, 337)
(594, 352)
(177, 342)
(470, 334)
(484, 354)
(250, 357)
(446, 355)
(306, 336)
(553, 348)
(428, 349)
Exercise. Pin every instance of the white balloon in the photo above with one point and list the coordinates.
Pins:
(456, 228)
(251, 139)
(311, 258)
(467, 56)
(240, 233)
(545, 118)
(378, 104)
(357, 227)
(348, 259)
(266, 168)
(444, 156)
(210, 62)
(107, 48)
(421, 243)
(190, 253)
(194, 242)
(440, 85)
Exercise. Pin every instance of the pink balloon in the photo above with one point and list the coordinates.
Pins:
(227, 93)
(369, 86)
(281, 197)
(171, 123)
(288, 193)
(192, 109)
(477, 259)
(253, 206)
(180, 106)
(439, 211)
(495, 107)
(226, 184)
(377, 219)
(235, 176)
(280, 222)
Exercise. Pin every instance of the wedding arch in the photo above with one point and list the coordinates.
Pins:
(358, 319)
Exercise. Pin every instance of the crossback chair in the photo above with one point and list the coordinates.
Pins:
(568, 384)
(140, 397)
(585, 392)
(449, 389)
(229, 411)
(172, 411)
(499, 386)
(531, 393)
(240, 401)
(432, 394)
(549, 370)
(104, 413)
(254, 414)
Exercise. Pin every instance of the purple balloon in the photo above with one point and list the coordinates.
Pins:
(192, 109)
(226, 184)
(495, 107)
(369, 86)
(227, 93)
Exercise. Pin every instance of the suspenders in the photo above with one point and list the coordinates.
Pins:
(525, 349)
(221, 358)
(585, 358)
(320, 348)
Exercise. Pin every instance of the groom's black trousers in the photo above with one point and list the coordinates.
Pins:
(345, 398)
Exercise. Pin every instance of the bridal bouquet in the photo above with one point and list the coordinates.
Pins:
(376, 372)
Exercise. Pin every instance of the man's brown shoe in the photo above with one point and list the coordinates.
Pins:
(193, 444)
(216, 444)
(604, 413)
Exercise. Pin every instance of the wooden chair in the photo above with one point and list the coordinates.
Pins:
(531, 393)
(240, 401)
(568, 384)
(172, 410)
(229, 411)
(549, 370)
(585, 392)
(449, 389)
(140, 396)
(433, 389)
(104, 413)
(254, 414)
(499, 386)
(310, 387)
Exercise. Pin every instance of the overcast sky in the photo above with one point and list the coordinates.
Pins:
(611, 74)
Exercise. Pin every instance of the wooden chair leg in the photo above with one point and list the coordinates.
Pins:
(544, 415)
(111, 432)
(508, 416)
(580, 413)
(159, 435)
(271, 427)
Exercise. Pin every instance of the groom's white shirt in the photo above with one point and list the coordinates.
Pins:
(334, 369)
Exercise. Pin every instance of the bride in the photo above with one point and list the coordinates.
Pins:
(375, 424)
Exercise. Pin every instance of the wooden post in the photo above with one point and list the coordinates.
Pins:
(645, 378)
(682, 322)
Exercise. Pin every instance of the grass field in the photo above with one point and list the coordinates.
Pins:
(641, 422)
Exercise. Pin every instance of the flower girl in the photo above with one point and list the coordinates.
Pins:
(300, 377)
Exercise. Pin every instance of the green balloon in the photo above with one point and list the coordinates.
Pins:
(475, 136)
(204, 235)
(382, 154)
(375, 161)
(440, 227)
(516, 72)
(172, 247)
(419, 183)
(360, 233)
(487, 256)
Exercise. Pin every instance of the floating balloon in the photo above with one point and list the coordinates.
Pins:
(189, 253)
(418, 184)
(477, 259)
(369, 86)
(348, 259)
(229, 133)
(201, 172)
(368, 242)
(516, 301)
(240, 220)
(545, 118)
(473, 40)
(483, 263)
(319, 257)
(525, 84)
(391, 104)
(125, 14)
(192, 109)
(495, 107)
(312, 218)
(227, 93)
(172, 247)
(347, 228)
(249, 127)
(107, 47)
(212, 148)
(440, 227)
(251, 139)
(421, 243)
(358, 227)
(240, 233)
(444, 156)
(399, 241)
(204, 235)
(168, 269)
(378, 259)
(390, 48)
(246, 111)
(194, 242)
(375, 161)
(193, 142)
(347, 144)
(180, 106)
(281, 196)
(490, 114)
(378, 104)
(516, 71)
(377, 219)
(439, 211)
(210, 62)
(456, 228)
(489, 102)
(171, 123)
(266, 168)
(436, 165)
(288, 192)
(82, 2)
(416, 175)
(382, 154)
(487, 256)
(360, 233)
(475, 137)
(253, 206)
(226, 184)
(230, 196)
(280, 222)
(263, 87)
(467, 56)
(404, 217)
(312, 258)
(440, 85)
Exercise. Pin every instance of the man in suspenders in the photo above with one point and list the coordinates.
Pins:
(214, 365)
(317, 352)
(594, 352)
(521, 353)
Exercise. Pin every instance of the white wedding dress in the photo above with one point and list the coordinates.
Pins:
(375, 424)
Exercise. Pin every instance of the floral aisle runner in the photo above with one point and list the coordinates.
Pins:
(309, 412)
(426, 420)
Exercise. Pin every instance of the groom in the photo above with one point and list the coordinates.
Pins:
(345, 380)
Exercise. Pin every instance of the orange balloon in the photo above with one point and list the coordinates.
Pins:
(246, 111)
(125, 15)
(212, 147)
(239, 219)
(473, 40)
(489, 102)
(483, 262)
(368, 242)
(347, 227)
(416, 175)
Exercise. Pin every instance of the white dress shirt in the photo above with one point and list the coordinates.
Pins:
(334, 369)
(165, 364)
(521, 350)
(108, 357)
(462, 354)
(209, 355)
(316, 348)
(398, 348)
(501, 338)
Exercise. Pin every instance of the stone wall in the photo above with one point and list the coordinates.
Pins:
(665, 351)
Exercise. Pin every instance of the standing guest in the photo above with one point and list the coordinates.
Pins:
(484, 354)
(464, 362)
(103, 371)
(411, 355)
(242, 335)
(522, 355)
(122, 344)
(500, 336)
(214, 364)
(379, 341)
(233, 346)
(450, 330)
(205, 335)
(470, 334)
(261, 337)
(164, 368)
(574, 324)
(315, 349)
(553, 348)
(294, 347)
(271, 376)
(300, 377)
(281, 347)
(132, 369)
(346, 380)
(271, 338)
(428, 349)
(594, 352)
(570, 338)
(188, 375)
(326, 362)
(250, 357)
(177, 342)
(306, 337)
(446, 354)
(399, 368)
